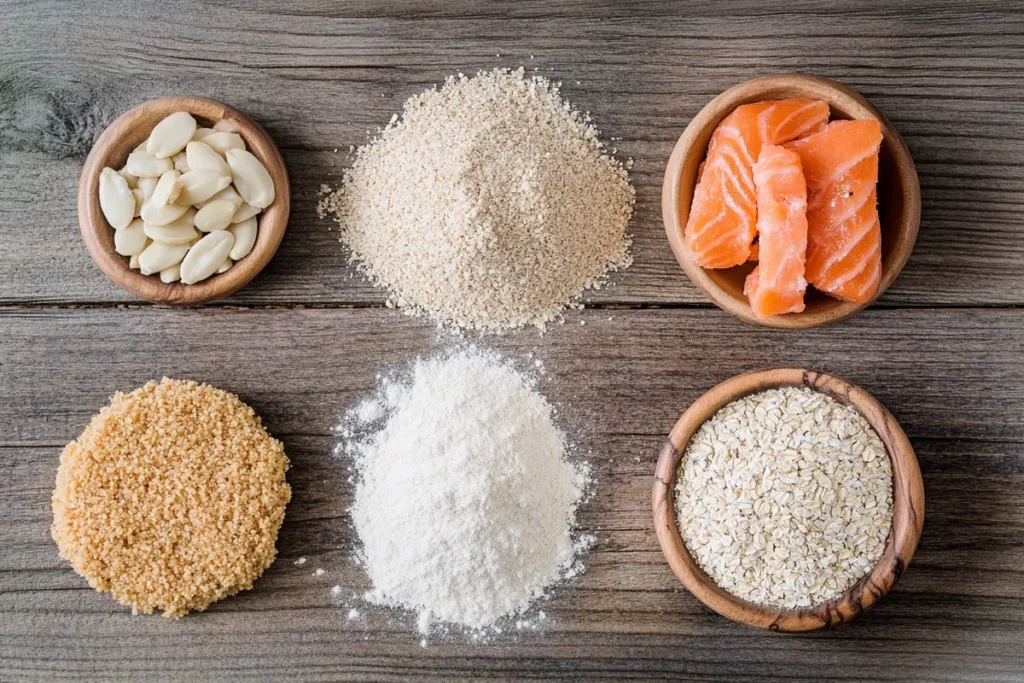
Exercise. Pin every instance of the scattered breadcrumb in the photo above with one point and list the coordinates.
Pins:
(171, 498)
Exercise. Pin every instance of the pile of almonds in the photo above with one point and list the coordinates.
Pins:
(181, 182)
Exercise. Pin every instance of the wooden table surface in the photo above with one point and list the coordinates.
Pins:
(943, 349)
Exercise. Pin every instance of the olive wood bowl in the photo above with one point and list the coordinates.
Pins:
(908, 505)
(112, 149)
(899, 197)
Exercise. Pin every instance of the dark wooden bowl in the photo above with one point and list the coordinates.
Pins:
(899, 197)
(112, 149)
(907, 519)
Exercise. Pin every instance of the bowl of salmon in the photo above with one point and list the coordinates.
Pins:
(791, 202)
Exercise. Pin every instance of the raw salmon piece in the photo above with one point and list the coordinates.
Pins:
(777, 285)
(723, 215)
(844, 237)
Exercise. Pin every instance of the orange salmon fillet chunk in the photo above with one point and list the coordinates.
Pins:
(777, 285)
(722, 223)
(844, 236)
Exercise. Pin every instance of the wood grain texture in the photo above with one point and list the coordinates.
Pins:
(948, 76)
(619, 385)
(943, 349)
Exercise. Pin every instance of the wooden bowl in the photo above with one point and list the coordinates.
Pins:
(908, 505)
(112, 149)
(899, 197)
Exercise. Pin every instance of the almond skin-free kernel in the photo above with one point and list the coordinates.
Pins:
(171, 498)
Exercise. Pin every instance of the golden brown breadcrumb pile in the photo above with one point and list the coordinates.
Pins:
(171, 498)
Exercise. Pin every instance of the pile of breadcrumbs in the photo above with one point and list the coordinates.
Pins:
(171, 498)
(490, 204)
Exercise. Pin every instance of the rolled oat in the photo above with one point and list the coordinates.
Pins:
(784, 497)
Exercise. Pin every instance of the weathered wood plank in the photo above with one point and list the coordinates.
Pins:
(321, 82)
(626, 616)
(321, 75)
(943, 373)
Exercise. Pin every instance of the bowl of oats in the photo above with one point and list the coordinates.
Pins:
(788, 499)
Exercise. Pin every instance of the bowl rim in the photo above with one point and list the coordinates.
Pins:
(908, 504)
(777, 86)
(98, 234)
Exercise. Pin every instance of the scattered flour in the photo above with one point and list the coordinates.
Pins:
(369, 411)
(465, 501)
(490, 204)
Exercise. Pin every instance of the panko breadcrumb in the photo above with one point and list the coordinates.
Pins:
(171, 498)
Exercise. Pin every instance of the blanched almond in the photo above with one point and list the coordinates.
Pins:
(172, 274)
(129, 178)
(245, 212)
(147, 185)
(130, 240)
(144, 165)
(225, 267)
(227, 193)
(177, 233)
(158, 257)
(140, 199)
(162, 215)
(221, 141)
(206, 256)
(186, 219)
(215, 215)
(167, 189)
(198, 186)
(180, 162)
(202, 133)
(116, 199)
(251, 178)
(202, 157)
(171, 135)
(133, 260)
(245, 237)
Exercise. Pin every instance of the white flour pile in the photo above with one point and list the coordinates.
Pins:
(465, 501)
(490, 204)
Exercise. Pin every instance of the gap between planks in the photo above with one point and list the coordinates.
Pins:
(350, 305)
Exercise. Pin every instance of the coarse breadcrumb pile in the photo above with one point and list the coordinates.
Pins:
(490, 204)
(171, 498)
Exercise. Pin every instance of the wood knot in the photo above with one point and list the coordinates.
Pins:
(61, 122)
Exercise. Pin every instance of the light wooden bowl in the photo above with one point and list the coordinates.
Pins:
(899, 197)
(112, 149)
(908, 505)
